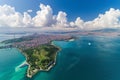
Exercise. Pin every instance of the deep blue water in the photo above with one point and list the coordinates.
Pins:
(76, 61)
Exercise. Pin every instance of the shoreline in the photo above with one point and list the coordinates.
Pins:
(38, 70)
(31, 72)
(52, 65)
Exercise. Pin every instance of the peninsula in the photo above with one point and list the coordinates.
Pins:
(40, 53)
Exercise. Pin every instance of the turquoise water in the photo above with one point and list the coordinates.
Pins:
(76, 61)
(9, 60)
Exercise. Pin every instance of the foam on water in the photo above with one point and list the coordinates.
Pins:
(21, 72)
(89, 43)
(18, 67)
(100, 61)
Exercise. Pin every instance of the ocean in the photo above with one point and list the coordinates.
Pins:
(86, 58)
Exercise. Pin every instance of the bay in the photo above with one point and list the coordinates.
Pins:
(86, 58)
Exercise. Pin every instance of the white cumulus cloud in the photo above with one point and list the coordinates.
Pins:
(27, 20)
(78, 23)
(11, 18)
(29, 11)
(61, 19)
(111, 19)
(45, 19)
(44, 16)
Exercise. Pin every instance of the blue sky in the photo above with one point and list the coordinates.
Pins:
(86, 9)
(60, 14)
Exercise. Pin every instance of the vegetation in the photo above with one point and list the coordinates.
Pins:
(37, 48)
(41, 57)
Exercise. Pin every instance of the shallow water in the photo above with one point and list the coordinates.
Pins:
(76, 61)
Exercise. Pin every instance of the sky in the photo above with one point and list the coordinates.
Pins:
(86, 9)
(60, 14)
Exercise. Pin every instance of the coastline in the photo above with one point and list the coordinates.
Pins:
(51, 66)
(31, 72)
(38, 70)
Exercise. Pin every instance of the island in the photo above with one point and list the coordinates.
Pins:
(40, 58)
(39, 50)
